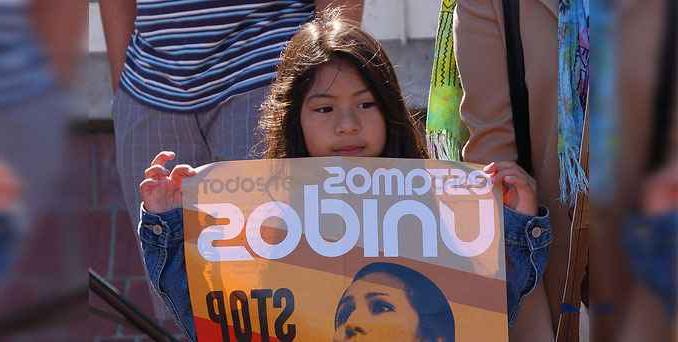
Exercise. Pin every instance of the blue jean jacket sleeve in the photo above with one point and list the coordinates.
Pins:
(162, 242)
(527, 239)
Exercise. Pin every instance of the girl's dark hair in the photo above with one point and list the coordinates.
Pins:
(436, 321)
(325, 39)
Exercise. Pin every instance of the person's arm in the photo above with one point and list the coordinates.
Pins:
(60, 26)
(527, 239)
(162, 242)
(481, 59)
(650, 239)
(527, 236)
(161, 232)
(353, 9)
(117, 17)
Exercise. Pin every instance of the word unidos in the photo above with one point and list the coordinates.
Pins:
(440, 181)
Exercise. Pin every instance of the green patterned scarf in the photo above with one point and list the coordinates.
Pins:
(445, 132)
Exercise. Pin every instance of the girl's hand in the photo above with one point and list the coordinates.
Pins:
(660, 191)
(520, 190)
(10, 188)
(161, 190)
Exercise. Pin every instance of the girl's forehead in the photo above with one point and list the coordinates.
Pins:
(338, 64)
(336, 74)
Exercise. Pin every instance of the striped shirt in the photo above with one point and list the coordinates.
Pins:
(191, 55)
(24, 67)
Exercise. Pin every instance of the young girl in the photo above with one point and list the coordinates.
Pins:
(336, 94)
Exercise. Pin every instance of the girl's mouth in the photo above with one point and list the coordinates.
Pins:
(351, 150)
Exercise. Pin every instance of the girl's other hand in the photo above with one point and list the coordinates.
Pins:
(161, 189)
(519, 188)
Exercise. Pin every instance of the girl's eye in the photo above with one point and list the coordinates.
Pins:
(367, 105)
(324, 109)
(380, 306)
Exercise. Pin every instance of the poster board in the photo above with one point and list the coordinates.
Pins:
(319, 249)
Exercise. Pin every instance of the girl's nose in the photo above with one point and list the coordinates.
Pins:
(348, 123)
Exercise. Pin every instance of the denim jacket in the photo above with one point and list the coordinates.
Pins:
(527, 239)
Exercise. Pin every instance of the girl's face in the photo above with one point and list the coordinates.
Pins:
(372, 312)
(339, 115)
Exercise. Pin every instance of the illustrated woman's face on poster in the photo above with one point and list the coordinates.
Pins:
(392, 302)
(372, 312)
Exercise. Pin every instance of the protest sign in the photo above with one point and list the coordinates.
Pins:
(319, 249)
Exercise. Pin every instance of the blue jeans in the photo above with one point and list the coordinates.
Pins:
(527, 241)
